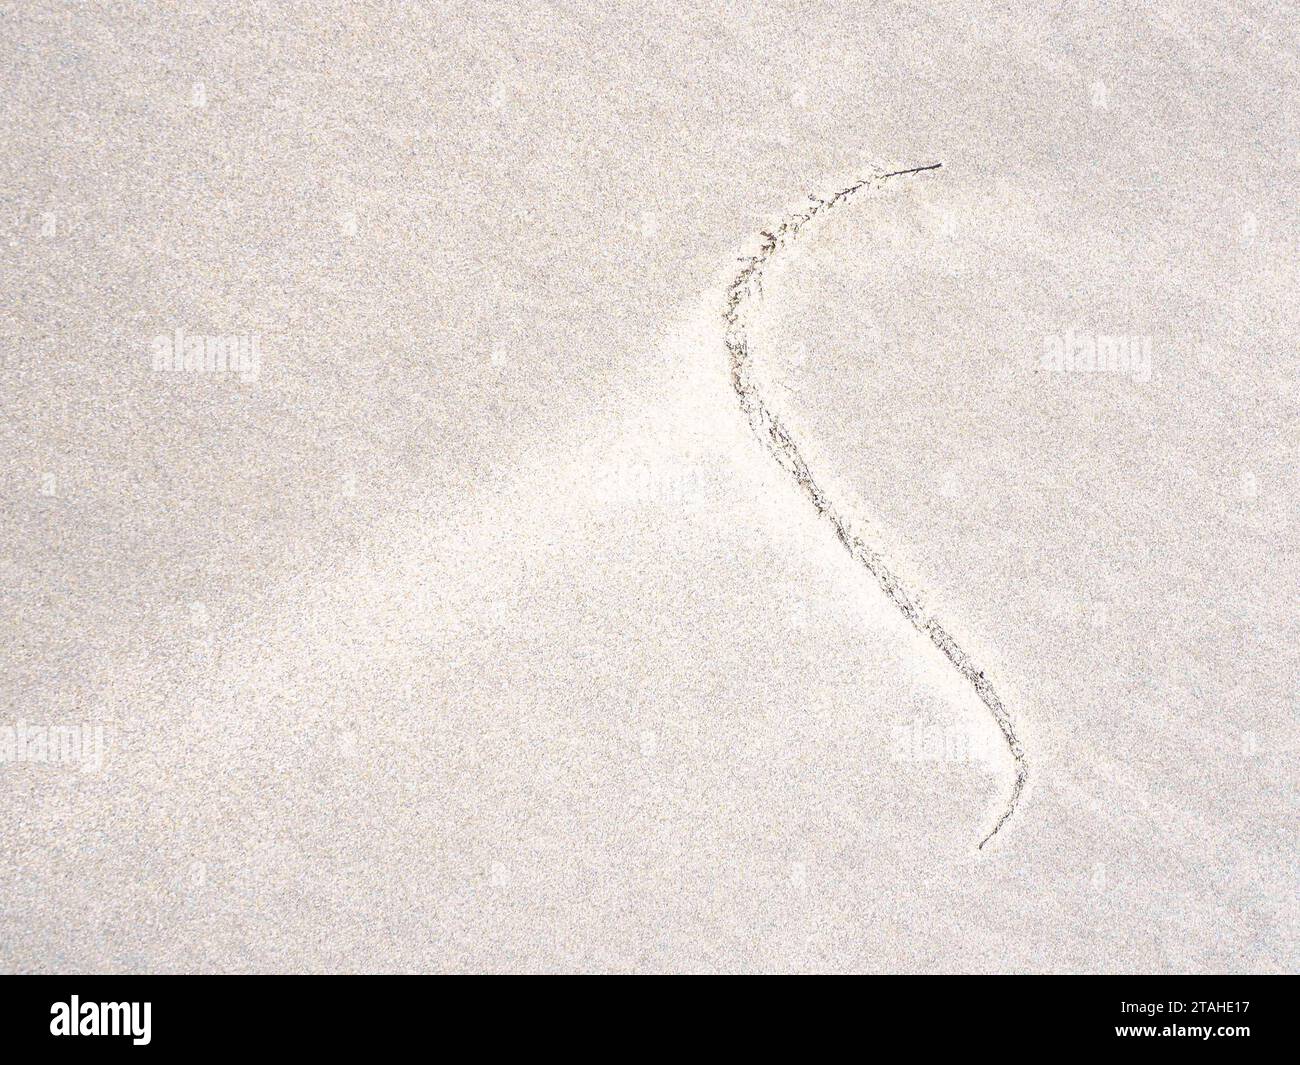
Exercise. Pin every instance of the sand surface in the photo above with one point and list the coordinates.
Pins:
(470, 627)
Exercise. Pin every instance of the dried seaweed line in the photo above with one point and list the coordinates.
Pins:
(774, 436)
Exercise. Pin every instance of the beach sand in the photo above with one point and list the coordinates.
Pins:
(466, 626)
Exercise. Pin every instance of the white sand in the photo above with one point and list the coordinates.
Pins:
(478, 633)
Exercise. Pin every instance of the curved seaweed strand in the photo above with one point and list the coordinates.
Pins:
(776, 438)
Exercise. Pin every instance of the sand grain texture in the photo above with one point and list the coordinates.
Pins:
(475, 632)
